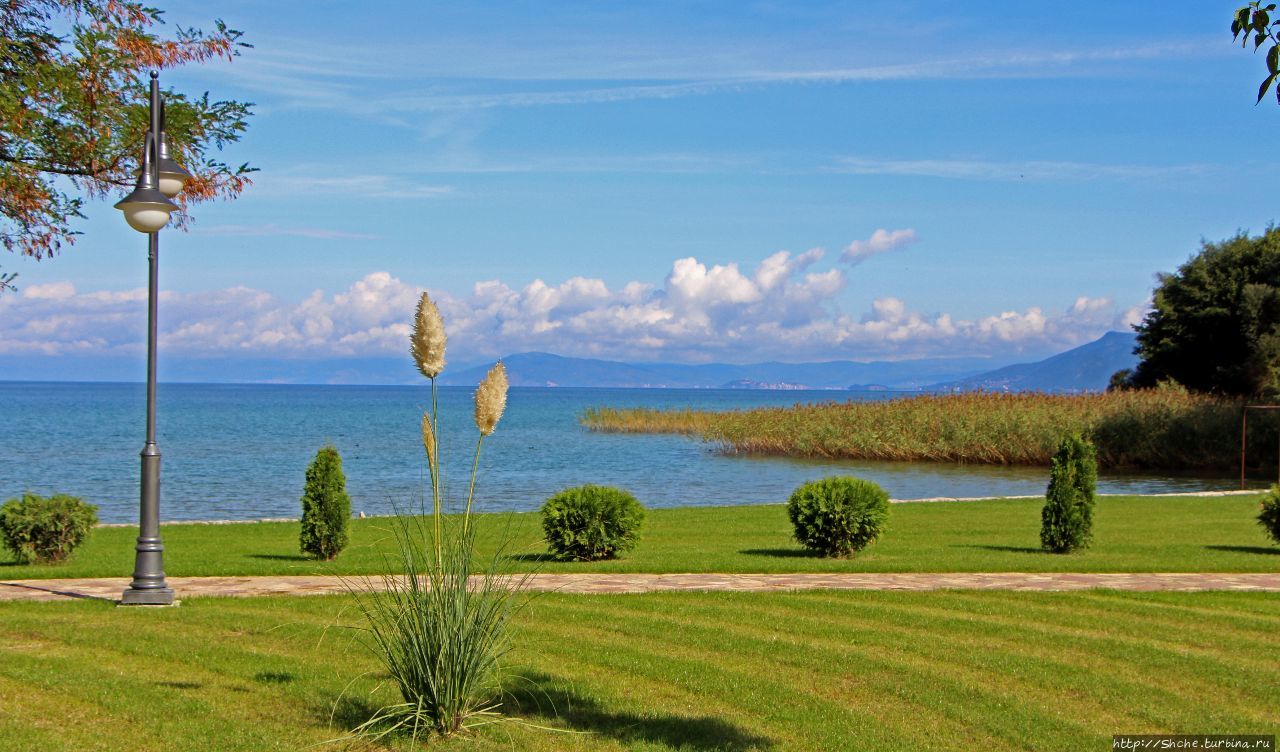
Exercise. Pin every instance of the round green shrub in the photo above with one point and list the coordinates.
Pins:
(326, 507)
(1066, 521)
(40, 530)
(587, 523)
(838, 516)
(1269, 517)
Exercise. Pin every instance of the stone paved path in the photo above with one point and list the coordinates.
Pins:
(110, 588)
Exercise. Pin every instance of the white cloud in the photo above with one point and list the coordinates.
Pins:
(781, 309)
(881, 241)
(587, 68)
(978, 169)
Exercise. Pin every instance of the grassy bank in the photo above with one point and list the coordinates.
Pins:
(1161, 428)
(689, 671)
(1131, 534)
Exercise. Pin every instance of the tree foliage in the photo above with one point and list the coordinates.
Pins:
(74, 112)
(326, 507)
(1066, 521)
(1215, 324)
(1253, 22)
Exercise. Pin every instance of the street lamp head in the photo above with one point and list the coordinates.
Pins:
(146, 209)
(172, 175)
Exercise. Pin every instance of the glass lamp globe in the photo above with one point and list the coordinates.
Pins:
(172, 175)
(145, 216)
(170, 184)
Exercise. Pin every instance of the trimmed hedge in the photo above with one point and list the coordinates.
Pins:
(588, 522)
(40, 530)
(838, 516)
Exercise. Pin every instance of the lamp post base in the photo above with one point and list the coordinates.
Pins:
(148, 597)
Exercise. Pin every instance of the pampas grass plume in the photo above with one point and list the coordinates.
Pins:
(429, 439)
(491, 399)
(427, 342)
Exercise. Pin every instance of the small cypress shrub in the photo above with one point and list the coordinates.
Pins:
(40, 530)
(1269, 517)
(326, 508)
(1066, 522)
(838, 516)
(588, 522)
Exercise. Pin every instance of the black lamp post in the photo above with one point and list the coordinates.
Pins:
(147, 210)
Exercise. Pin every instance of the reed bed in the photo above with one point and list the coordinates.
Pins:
(1164, 428)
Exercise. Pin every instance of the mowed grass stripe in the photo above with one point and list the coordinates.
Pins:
(799, 717)
(32, 717)
(216, 641)
(968, 701)
(166, 694)
(950, 697)
(1033, 669)
(627, 679)
(1063, 624)
(1230, 607)
(158, 675)
(911, 645)
(737, 671)
(1097, 656)
(1094, 663)
(1195, 628)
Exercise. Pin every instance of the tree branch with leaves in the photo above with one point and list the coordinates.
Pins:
(73, 113)
(1253, 21)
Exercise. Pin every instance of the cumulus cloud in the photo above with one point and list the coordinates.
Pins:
(783, 308)
(881, 241)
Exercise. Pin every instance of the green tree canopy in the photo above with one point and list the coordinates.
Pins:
(1215, 324)
(73, 112)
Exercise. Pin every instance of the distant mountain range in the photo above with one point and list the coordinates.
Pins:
(1085, 368)
(544, 369)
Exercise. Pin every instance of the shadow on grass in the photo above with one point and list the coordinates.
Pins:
(274, 677)
(535, 558)
(1273, 551)
(782, 553)
(1006, 549)
(347, 712)
(539, 698)
(281, 557)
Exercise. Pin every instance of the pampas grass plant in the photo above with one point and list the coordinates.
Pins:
(440, 628)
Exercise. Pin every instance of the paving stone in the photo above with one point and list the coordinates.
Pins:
(193, 587)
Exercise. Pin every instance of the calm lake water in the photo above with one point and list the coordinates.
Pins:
(235, 451)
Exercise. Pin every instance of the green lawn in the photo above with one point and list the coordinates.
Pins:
(690, 671)
(1131, 534)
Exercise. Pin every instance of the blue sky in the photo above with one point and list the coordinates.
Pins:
(618, 180)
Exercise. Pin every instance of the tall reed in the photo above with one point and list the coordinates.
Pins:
(441, 627)
(1166, 428)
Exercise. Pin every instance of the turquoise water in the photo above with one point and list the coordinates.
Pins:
(240, 451)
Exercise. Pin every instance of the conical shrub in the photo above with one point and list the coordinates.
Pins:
(326, 507)
(1066, 523)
